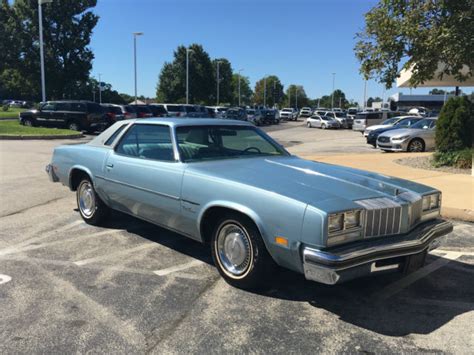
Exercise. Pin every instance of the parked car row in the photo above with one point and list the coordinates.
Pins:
(328, 119)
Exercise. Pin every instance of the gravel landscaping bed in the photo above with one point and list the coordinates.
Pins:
(425, 163)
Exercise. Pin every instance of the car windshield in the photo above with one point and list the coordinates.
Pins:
(287, 110)
(326, 118)
(424, 123)
(390, 121)
(200, 143)
(175, 108)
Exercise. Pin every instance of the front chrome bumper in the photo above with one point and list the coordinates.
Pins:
(368, 257)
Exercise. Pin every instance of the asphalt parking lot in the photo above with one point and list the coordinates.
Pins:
(132, 287)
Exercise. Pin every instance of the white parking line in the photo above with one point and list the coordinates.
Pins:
(181, 267)
(20, 246)
(16, 250)
(402, 283)
(114, 255)
(444, 251)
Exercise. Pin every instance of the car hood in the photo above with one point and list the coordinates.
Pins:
(379, 126)
(325, 186)
(402, 132)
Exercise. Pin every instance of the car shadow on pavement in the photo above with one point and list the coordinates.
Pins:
(421, 308)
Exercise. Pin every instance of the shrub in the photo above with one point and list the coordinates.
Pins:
(5, 108)
(461, 159)
(455, 126)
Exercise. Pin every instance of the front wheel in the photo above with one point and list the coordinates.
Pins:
(239, 252)
(28, 122)
(92, 209)
(308, 124)
(416, 145)
(323, 126)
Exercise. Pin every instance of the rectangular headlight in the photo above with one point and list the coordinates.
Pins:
(336, 222)
(351, 219)
(431, 202)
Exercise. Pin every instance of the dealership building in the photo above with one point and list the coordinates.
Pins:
(400, 101)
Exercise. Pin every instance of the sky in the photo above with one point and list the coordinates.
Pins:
(301, 41)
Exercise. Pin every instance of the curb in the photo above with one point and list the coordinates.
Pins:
(457, 214)
(28, 137)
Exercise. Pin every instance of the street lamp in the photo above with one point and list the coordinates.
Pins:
(135, 35)
(265, 92)
(296, 96)
(187, 74)
(40, 20)
(332, 94)
(240, 70)
(100, 90)
(365, 95)
(218, 81)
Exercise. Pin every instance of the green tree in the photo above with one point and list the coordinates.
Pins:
(455, 125)
(274, 91)
(67, 29)
(172, 80)
(339, 100)
(422, 34)
(225, 79)
(292, 100)
(371, 100)
(246, 92)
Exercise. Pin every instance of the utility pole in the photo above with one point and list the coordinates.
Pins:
(265, 92)
(187, 74)
(332, 94)
(274, 93)
(135, 35)
(100, 90)
(40, 19)
(240, 70)
(218, 82)
(365, 95)
(296, 97)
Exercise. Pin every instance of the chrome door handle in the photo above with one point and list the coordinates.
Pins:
(110, 166)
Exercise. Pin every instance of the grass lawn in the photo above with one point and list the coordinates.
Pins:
(12, 112)
(14, 128)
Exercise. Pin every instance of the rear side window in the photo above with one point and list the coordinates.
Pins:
(175, 108)
(77, 107)
(95, 108)
(49, 106)
(112, 138)
(62, 106)
(147, 142)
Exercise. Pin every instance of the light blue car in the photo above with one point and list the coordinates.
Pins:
(228, 184)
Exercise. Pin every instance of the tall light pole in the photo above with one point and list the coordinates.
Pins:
(365, 95)
(100, 90)
(296, 96)
(265, 91)
(188, 50)
(135, 35)
(332, 95)
(40, 21)
(218, 81)
(274, 93)
(240, 70)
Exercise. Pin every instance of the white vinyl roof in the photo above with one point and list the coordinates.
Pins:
(448, 80)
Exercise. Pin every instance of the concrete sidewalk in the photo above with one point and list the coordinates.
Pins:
(457, 189)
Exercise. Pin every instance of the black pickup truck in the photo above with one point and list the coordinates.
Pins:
(75, 115)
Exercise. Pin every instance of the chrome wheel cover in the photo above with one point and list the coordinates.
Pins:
(28, 123)
(86, 200)
(416, 146)
(234, 250)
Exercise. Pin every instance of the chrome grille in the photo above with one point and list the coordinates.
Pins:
(382, 216)
(383, 139)
(415, 209)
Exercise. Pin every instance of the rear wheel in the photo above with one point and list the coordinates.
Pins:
(239, 252)
(73, 126)
(92, 209)
(416, 145)
(28, 122)
(309, 125)
(323, 126)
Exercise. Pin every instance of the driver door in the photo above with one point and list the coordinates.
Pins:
(143, 178)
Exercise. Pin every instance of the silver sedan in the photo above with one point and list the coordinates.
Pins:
(417, 138)
(322, 122)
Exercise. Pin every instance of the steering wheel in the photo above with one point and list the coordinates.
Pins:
(252, 148)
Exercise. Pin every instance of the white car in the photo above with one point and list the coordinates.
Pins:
(289, 114)
(306, 112)
(386, 124)
(322, 122)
